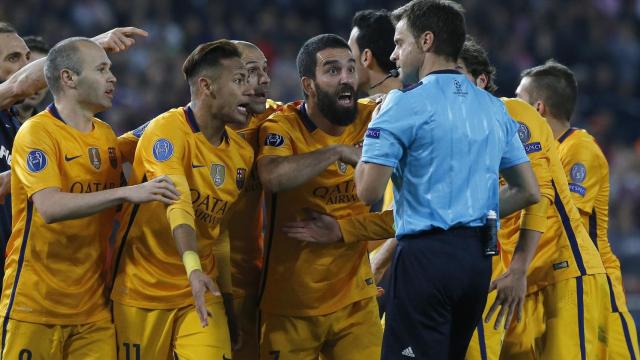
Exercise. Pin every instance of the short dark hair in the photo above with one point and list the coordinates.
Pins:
(554, 84)
(306, 60)
(477, 62)
(64, 55)
(444, 18)
(37, 44)
(6, 28)
(375, 32)
(208, 56)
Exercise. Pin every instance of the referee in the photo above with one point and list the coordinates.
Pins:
(443, 142)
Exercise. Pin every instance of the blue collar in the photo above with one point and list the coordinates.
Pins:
(54, 111)
(191, 120)
(566, 134)
(304, 116)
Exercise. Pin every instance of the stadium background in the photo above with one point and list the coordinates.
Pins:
(598, 39)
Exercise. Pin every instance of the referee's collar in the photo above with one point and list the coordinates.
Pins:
(445, 71)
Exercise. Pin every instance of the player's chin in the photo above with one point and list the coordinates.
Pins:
(257, 107)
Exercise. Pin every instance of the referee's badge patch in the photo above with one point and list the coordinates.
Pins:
(373, 133)
(274, 140)
(524, 133)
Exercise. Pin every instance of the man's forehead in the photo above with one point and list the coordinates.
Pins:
(333, 55)
(11, 42)
(252, 54)
(233, 64)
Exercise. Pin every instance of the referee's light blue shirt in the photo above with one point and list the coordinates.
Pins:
(446, 141)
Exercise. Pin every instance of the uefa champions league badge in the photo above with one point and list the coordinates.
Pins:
(162, 150)
(36, 160)
(274, 140)
(524, 133)
(578, 173)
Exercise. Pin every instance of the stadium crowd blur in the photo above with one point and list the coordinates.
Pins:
(598, 39)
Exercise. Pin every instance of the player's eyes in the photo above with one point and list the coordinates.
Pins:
(333, 71)
(13, 58)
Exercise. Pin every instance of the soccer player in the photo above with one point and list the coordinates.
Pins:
(65, 178)
(371, 42)
(29, 107)
(159, 309)
(552, 89)
(566, 265)
(316, 298)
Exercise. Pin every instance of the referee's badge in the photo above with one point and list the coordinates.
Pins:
(217, 174)
(94, 157)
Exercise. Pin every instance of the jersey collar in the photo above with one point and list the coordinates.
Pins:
(53, 110)
(191, 120)
(566, 134)
(304, 116)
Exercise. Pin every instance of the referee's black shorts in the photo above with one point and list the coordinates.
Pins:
(439, 285)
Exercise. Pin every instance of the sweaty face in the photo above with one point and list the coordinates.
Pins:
(406, 55)
(14, 54)
(232, 93)
(258, 79)
(361, 70)
(335, 81)
(95, 85)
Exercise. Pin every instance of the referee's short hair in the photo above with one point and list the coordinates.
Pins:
(444, 18)
(556, 86)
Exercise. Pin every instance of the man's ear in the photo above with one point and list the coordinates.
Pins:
(426, 41)
(308, 86)
(68, 78)
(206, 86)
(366, 58)
(482, 81)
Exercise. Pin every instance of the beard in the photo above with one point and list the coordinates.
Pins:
(334, 112)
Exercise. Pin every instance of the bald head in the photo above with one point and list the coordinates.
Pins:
(256, 63)
(66, 55)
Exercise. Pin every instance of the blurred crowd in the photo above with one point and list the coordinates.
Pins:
(598, 39)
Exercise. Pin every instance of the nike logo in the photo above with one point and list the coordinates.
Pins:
(69, 158)
(195, 166)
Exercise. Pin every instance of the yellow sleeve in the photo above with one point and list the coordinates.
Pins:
(35, 159)
(163, 151)
(127, 146)
(274, 140)
(372, 226)
(534, 217)
(584, 170)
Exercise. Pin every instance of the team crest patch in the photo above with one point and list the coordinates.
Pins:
(94, 157)
(241, 175)
(578, 173)
(217, 174)
(524, 133)
(36, 160)
(113, 158)
(373, 133)
(162, 150)
(274, 140)
(342, 167)
(140, 130)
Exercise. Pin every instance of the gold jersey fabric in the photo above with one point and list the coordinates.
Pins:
(565, 250)
(55, 273)
(149, 271)
(244, 227)
(587, 171)
(301, 278)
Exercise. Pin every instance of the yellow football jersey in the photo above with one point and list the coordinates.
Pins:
(301, 278)
(587, 170)
(55, 273)
(243, 227)
(565, 249)
(149, 271)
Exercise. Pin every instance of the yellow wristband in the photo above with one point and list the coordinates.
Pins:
(191, 261)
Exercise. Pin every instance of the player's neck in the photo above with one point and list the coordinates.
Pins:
(433, 63)
(386, 85)
(211, 127)
(558, 127)
(75, 115)
(322, 122)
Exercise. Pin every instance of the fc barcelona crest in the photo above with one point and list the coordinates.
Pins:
(94, 157)
(113, 159)
(241, 174)
(342, 167)
(217, 174)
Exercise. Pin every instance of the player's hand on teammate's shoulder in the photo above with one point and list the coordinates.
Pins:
(200, 283)
(318, 228)
(511, 290)
(160, 189)
(119, 39)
